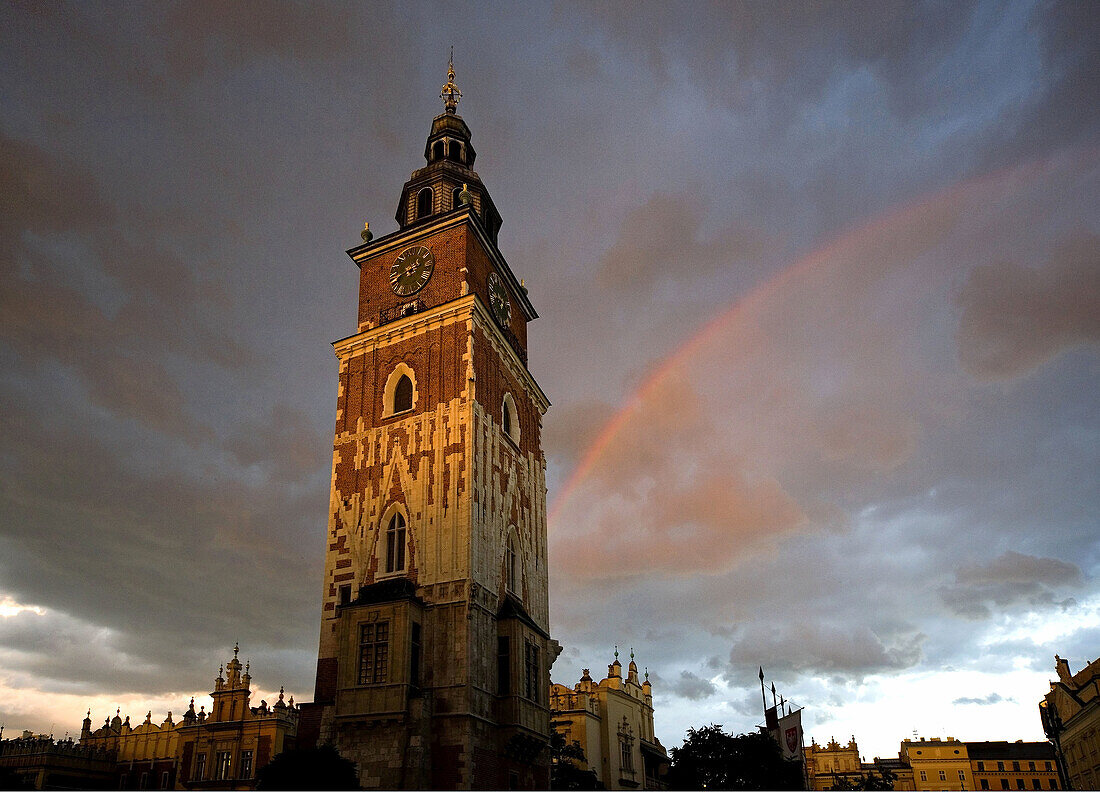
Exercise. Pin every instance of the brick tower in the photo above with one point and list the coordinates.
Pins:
(433, 667)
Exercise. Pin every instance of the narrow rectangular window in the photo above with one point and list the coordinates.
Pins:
(122, 781)
(1000, 765)
(1035, 784)
(414, 656)
(504, 666)
(985, 783)
(221, 765)
(1031, 766)
(200, 767)
(1004, 783)
(981, 765)
(1053, 784)
(246, 764)
(1020, 783)
(943, 775)
(143, 781)
(164, 780)
(531, 671)
(923, 776)
(962, 775)
(345, 594)
(1047, 764)
(626, 756)
(374, 651)
(1016, 766)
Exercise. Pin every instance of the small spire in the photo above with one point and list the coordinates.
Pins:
(450, 93)
(647, 673)
(366, 234)
(616, 651)
(632, 653)
(236, 648)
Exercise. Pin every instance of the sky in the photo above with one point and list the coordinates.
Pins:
(819, 297)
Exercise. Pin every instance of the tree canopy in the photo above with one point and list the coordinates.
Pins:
(712, 759)
(308, 768)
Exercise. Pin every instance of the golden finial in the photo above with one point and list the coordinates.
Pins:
(450, 93)
(366, 234)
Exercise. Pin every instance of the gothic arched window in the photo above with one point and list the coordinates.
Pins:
(455, 200)
(454, 151)
(424, 203)
(399, 394)
(403, 395)
(395, 543)
(509, 418)
(511, 563)
(437, 150)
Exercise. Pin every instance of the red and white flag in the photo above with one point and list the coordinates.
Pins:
(790, 735)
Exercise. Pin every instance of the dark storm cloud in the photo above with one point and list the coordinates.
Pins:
(1016, 317)
(1012, 579)
(691, 686)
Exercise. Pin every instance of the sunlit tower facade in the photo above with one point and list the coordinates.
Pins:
(434, 656)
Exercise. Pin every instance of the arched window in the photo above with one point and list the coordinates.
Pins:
(437, 150)
(511, 563)
(454, 151)
(455, 200)
(400, 393)
(424, 203)
(395, 543)
(509, 418)
(403, 395)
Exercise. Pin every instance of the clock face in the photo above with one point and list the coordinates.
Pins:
(411, 270)
(498, 299)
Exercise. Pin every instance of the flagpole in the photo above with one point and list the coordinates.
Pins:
(763, 696)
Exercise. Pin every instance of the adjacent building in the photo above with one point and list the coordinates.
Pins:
(1070, 713)
(1013, 765)
(612, 721)
(435, 651)
(837, 766)
(937, 763)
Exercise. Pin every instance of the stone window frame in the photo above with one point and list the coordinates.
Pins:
(513, 572)
(509, 418)
(395, 510)
(400, 370)
(374, 648)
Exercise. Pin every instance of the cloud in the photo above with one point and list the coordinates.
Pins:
(992, 698)
(692, 687)
(1015, 318)
(833, 650)
(1010, 580)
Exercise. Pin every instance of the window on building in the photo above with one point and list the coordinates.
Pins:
(414, 656)
(165, 779)
(221, 765)
(943, 775)
(531, 671)
(437, 150)
(454, 150)
(424, 203)
(1004, 783)
(923, 775)
(981, 765)
(626, 756)
(509, 421)
(1036, 784)
(122, 781)
(403, 395)
(200, 767)
(143, 781)
(1016, 766)
(1052, 784)
(395, 543)
(1020, 783)
(511, 563)
(1047, 765)
(504, 665)
(962, 775)
(455, 200)
(984, 783)
(1031, 766)
(246, 764)
(1000, 765)
(345, 594)
(374, 651)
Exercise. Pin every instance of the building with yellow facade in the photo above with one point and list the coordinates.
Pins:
(937, 763)
(1013, 765)
(1071, 720)
(833, 766)
(222, 749)
(612, 721)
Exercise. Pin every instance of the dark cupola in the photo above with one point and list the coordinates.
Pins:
(448, 182)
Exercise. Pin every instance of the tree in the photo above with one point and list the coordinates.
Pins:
(308, 768)
(712, 759)
(9, 779)
(564, 771)
(884, 780)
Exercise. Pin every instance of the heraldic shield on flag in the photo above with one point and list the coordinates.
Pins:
(790, 735)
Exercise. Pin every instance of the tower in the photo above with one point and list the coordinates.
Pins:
(434, 656)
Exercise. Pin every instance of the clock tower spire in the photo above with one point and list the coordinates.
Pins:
(434, 654)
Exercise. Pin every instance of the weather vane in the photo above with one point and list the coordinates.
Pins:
(450, 93)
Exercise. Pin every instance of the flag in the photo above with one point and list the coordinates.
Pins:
(771, 720)
(790, 735)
